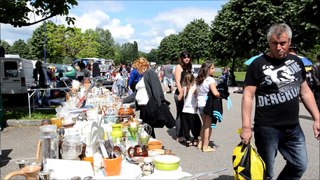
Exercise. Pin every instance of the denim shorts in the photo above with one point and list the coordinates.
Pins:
(201, 110)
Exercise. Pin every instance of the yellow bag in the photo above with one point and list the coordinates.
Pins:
(247, 163)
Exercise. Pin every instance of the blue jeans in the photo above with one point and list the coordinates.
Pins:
(290, 141)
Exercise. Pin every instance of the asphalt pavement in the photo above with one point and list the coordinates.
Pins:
(18, 141)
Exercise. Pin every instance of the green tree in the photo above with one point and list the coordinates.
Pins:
(87, 44)
(21, 48)
(129, 52)
(195, 38)
(117, 53)
(106, 44)
(37, 42)
(135, 51)
(55, 42)
(6, 46)
(152, 56)
(17, 13)
(242, 25)
(239, 30)
(169, 48)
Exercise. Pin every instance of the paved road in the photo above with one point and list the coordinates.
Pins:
(20, 143)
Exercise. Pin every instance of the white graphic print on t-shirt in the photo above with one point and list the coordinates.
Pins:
(286, 80)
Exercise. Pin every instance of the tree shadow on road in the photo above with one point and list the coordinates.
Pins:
(5, 159)
(224, 177)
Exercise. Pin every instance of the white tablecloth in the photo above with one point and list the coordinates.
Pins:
(66, 169)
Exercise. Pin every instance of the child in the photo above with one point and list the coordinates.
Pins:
(190, 117)
(120, 82)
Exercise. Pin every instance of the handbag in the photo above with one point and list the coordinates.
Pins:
(247, 163)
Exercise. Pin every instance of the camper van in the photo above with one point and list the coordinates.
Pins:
(15, 75)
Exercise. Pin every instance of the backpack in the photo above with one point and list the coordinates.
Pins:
(315, 75)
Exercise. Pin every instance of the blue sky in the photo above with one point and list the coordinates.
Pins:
(146, 22)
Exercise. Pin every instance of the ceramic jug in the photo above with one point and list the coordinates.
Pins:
(29, 172)
(138, 151)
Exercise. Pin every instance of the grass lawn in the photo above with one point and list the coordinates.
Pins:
(240, 76)
(10, 113)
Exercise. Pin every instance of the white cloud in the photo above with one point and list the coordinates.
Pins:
(167, 32)
(118, 31)
(147, 45)
(124, 27)
(92, 20)
(180, 17)
(171, 22)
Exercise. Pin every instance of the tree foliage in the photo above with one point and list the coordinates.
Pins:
(152, 56)
(237, 33)
(106, 43)
(169, 48)
(129, 52)
(20, 47)
(37, 42)
(239, 30)
(20, 12)
(6, 46)
(195, 39)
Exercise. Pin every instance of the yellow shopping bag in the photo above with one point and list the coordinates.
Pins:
(247, 163)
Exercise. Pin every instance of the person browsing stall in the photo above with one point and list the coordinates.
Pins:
(134, 77)
(147, 89)
(277, 81)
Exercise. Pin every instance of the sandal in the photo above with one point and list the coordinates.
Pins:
(199, 145)
(180, 139)
(195, 142)
(208, 149)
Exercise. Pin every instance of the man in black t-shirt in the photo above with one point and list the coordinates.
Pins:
(277, 80)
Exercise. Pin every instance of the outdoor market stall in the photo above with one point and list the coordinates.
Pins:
(93, 133)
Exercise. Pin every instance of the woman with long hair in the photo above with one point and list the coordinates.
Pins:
(190, 118)
(181, 70)
(205, 83)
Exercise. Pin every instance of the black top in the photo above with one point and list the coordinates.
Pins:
(278, 88)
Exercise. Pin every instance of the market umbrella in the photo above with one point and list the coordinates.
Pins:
(249, 61)
(305, 61)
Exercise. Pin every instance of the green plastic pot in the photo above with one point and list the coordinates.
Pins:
(166, 162)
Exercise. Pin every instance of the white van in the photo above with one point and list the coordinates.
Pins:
(15, 75)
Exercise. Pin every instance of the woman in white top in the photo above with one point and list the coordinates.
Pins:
(205, 83)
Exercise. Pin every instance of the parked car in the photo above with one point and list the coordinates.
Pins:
(86, 60)
(67, 70)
